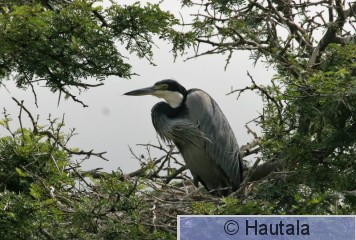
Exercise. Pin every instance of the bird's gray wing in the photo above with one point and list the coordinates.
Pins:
(179, 130)
(222, 147)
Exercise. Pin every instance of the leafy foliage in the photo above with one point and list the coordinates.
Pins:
(308, 116)
(45, 194)
(64, 44)
(307, 149)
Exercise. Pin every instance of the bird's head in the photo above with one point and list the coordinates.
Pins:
(170, 90)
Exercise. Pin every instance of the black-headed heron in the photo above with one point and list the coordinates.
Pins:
(193, 121)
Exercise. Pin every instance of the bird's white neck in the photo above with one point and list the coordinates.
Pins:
(174, 99)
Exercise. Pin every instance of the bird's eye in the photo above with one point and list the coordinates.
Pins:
(163, 86)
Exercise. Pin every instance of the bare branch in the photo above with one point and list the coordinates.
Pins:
(51, 136)
(175, 174)
(247, 178)
(250, 148)
(331, 34)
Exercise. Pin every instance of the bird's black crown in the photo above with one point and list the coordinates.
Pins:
(171, 85)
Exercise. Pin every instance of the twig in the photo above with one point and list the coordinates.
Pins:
(250, 148)
(175, 174)
(22, 129)
(51, 136)
(246, 179)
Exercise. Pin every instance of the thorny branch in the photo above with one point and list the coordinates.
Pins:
(263, 91)
(54, 135)
(280, 30)
(333, 30)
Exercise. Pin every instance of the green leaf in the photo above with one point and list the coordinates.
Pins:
(21, 173)
(34, 192)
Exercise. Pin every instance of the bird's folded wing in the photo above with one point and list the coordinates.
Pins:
(222, 147)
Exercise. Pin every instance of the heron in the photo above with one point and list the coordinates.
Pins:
(194, 122)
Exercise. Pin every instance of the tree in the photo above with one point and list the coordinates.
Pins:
(44, 193)
(63, 43)
(308, 115)
(307, 144)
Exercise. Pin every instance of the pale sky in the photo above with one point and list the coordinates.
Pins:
(113, 121)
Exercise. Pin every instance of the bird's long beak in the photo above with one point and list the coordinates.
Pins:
(141, 92)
